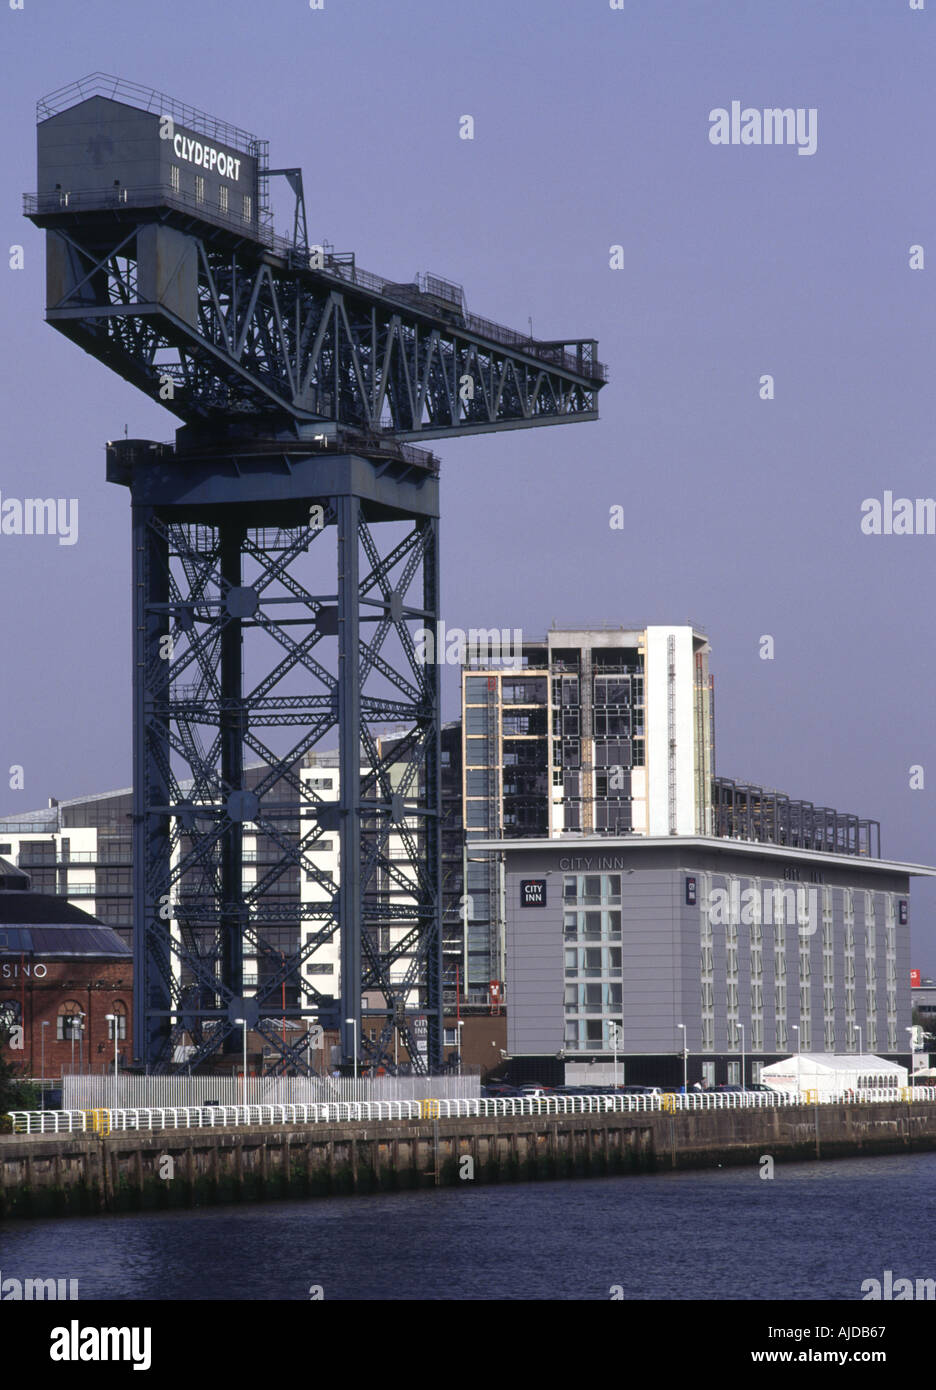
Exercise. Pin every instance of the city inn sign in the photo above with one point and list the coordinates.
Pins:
(591, 862)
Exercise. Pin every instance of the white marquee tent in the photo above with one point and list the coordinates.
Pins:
(832, 1074)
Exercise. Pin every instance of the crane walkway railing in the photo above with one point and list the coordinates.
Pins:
(104, 1121)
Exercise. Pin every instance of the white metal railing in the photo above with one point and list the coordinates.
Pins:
(105, 1121)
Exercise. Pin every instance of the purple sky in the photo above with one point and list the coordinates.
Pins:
(591, 130)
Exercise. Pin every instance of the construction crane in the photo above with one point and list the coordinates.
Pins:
(302, 383)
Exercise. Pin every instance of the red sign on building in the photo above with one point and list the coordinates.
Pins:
(914, 979)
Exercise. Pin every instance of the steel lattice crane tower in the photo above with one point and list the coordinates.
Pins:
(285, 569)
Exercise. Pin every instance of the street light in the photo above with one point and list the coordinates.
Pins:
(42, 1038)
(351, 1021)
(81, 1040)
(858, 1031)
(461, 1024)
(615, 1032)
(244, 1088)
(685, 1059)
(741, 1031)
(799, 1083)
(912, 1032)
(112, 1019)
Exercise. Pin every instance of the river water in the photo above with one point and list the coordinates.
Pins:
(813, 1231)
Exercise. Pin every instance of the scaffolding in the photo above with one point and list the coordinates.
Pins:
(745, 812)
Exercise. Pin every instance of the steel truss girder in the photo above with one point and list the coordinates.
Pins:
(207, 581)
(269, 336)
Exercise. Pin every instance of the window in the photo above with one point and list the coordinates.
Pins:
(121, 1011)
(223, 197)
(68, 1027)
(322, 784)
(475, 720)
(6, 849)
(321, 969)
(199, 188)
(174, 177)
(248, 207)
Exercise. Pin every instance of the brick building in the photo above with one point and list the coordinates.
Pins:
(61, 973)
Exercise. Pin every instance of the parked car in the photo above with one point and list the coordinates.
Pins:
(739, 1089)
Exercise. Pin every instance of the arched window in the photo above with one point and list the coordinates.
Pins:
(68, 1027)
(120, 1009)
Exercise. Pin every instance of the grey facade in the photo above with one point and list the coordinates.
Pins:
(781, 949)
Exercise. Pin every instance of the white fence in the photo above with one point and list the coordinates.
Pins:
(173, 1092)
(102, 1120)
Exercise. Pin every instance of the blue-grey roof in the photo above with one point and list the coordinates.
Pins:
(66, 940)
(41, 924)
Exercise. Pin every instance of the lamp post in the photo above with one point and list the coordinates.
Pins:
(43, 1027)
(912, 1032)
(799, 1084)
(112, 1020)
(82, 1017)
(354, 1035)
(461, 1024)
(858, 1031)
(243, 1022)
(685, 1059)
(615, 1033)
(741, 1031)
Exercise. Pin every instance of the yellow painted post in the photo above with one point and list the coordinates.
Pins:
(812, 1097)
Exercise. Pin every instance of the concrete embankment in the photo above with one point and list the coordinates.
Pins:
(42, 1175)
